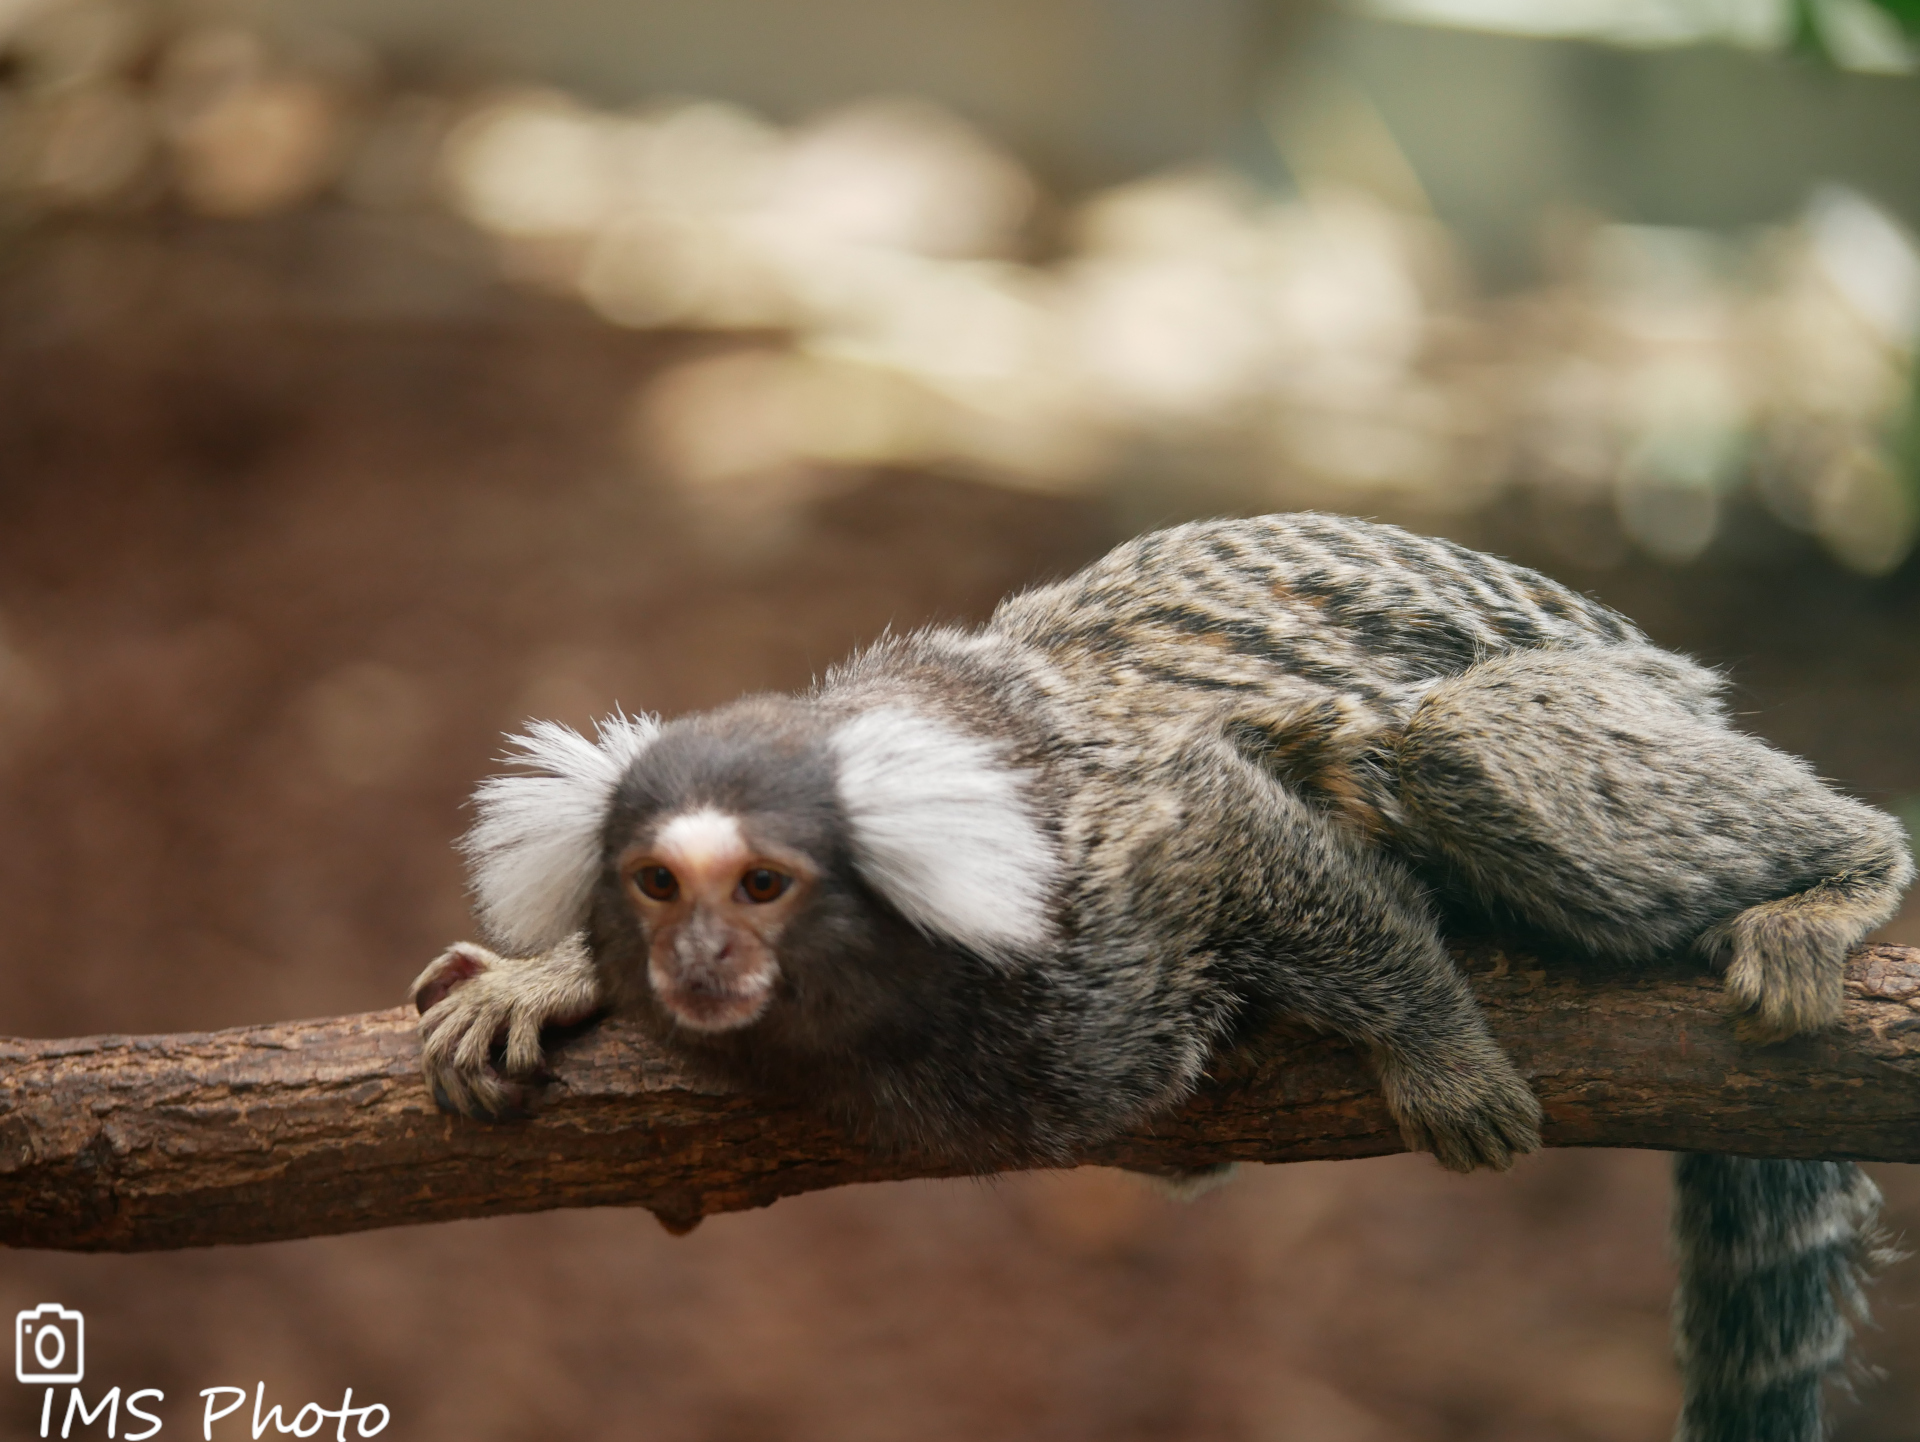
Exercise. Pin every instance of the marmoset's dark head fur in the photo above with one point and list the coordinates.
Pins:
(771, 885)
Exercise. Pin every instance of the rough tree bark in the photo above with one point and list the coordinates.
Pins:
(306, 1128)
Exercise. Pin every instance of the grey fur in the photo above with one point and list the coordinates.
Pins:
(1773, 1255)
(1257, 748)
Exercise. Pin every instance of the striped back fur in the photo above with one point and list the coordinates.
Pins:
(1328, 600)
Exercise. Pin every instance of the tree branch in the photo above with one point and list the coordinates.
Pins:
(306, 1128)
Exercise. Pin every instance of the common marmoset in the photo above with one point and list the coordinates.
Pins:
(1006, 891)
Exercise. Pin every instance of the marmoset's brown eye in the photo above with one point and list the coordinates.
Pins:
(762, 885)
(656, 882)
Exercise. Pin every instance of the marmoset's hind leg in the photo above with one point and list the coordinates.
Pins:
(1602, 796)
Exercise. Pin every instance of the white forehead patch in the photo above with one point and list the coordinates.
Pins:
(944, 829)
(534, 851)
(702, 840)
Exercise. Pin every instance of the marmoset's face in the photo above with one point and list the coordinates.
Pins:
(712, 900)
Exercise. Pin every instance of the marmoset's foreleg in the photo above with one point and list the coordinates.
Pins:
(1335, 931)
(472, 1001)
(1601, 796)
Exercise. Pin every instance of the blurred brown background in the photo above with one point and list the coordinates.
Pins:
(358, 401)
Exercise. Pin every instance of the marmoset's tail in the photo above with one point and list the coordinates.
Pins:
(1772, 1258)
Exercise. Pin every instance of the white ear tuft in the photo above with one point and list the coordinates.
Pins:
(534, 852)
(943, 829)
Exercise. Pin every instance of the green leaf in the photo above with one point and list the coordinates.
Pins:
(1905, 13)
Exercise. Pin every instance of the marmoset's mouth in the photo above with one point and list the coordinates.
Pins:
(713, 1004)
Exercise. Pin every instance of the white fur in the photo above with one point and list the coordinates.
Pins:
(702, 840)
(534, 852)
(942, 829)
